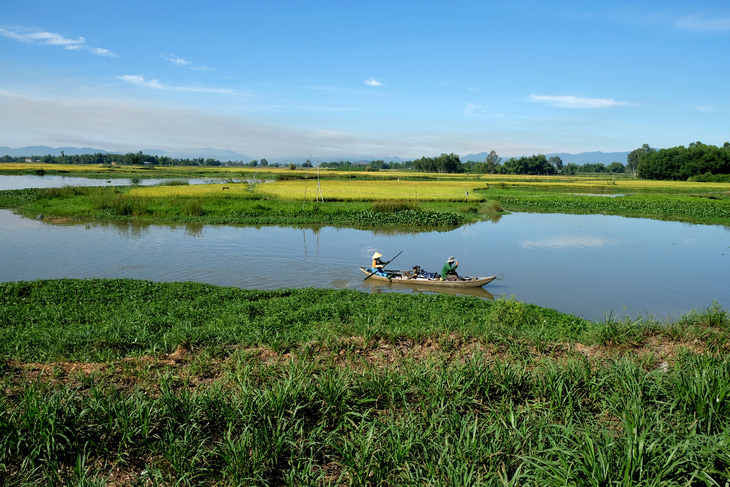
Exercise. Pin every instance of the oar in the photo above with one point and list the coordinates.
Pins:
(391, 260)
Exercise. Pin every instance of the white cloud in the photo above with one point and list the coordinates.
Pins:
(705, 108)
(155, 84)
(28, 36)
(178, 61)
(373, 82)
(473, 109)
(570, 101)
(704, 23)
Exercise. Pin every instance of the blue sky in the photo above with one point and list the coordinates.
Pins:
(347, 79)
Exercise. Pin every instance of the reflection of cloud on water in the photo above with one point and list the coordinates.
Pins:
(564, 241)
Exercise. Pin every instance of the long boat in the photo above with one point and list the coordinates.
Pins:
(401, 277)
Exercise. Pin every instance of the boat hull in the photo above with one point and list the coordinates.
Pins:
(399, 277)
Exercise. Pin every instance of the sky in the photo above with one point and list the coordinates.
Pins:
(337, 80)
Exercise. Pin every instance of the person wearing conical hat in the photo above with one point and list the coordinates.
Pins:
(377, 263)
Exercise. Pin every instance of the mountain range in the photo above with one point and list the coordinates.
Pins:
(222, 155)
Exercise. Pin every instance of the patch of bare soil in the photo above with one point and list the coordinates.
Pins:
(355, 352)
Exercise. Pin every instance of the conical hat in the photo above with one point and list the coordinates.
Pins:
(376, 255)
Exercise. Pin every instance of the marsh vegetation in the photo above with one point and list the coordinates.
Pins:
(356, 199)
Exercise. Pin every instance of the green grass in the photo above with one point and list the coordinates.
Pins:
(114, 203)
(692, 209)
(322, 387)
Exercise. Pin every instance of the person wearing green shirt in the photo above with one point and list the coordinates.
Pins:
(448, 271)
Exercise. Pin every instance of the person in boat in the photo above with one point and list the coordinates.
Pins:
(378, 265)
(448, 271)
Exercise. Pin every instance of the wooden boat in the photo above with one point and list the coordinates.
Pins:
(401, 277)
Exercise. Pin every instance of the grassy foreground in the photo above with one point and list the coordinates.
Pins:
(124, 382)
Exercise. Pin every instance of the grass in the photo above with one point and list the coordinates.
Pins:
(123, 382)
(189, 204)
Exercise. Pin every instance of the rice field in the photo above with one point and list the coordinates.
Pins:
(329, 190)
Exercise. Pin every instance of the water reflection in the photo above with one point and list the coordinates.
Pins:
(478, 292)
(565, 241)
(53, 181)
(140, 229)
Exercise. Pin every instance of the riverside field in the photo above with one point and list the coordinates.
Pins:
(366, 199)
(130, 382)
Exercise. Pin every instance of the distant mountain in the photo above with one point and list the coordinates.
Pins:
(222, 155)
(43, 150)
(597, 157)
(208, 153)
(355, 159)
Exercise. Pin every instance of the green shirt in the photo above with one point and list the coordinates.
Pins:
(449, 268)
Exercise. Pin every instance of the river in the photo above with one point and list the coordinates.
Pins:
(592, 266)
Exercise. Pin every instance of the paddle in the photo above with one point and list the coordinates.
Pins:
(391, 260)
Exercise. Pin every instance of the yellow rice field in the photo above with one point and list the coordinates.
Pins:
(329, 190)
(394, 184)
(374, 190)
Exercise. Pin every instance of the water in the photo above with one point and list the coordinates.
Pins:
(587, 265)
(31, 181)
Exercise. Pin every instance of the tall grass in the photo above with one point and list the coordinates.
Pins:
(485, 422)
(305, 387)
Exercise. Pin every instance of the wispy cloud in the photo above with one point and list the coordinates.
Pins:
(565, 241)
(178, 61)
(473, 109)
(30, 36)
(705, 108)
(373, 82)
(138, 80)
(704, 23)
(571, 101)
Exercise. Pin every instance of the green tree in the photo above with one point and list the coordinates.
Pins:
(557, 164)
(264, 162)
(632, 160)
(615, 167)
(492, 163)
(528, 165)
(681, 163)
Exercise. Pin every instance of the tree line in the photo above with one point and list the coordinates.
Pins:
(130, 159)
(697, 162)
